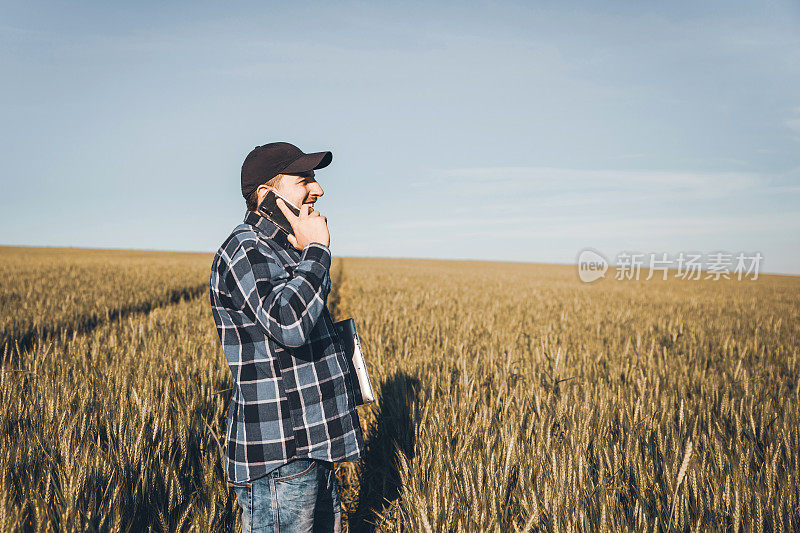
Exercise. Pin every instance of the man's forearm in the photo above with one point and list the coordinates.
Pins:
(287, 309)
(303, 298)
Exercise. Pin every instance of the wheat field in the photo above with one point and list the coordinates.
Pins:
(510, 397)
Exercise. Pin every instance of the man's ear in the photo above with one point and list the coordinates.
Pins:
(262, 192)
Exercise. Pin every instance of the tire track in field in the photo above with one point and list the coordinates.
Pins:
(12, 348)
(335, 296)
(373, 483)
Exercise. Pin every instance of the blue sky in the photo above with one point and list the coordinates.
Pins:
(505, 131)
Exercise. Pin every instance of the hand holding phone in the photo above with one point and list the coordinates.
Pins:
(269, 208)
(307, 227)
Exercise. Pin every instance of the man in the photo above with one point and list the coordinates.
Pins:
(292, 412)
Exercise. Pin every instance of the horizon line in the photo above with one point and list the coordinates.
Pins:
(643, 268)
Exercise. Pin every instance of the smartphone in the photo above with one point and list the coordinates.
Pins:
(269, 208)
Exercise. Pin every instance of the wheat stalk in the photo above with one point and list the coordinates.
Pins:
(681, 474)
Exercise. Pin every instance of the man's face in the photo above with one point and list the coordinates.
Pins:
(299, 188)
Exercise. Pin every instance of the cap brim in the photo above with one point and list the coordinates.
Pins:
(307, 162)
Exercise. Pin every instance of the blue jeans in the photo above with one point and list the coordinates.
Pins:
(298, 496)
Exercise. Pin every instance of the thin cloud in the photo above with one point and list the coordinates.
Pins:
(567, 185)
(651, 228)
(563, 227)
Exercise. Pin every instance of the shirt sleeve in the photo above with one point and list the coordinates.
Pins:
(286, 306)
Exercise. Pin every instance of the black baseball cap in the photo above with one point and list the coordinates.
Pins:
(265, 162)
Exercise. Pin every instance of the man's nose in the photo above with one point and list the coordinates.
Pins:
(317, 190)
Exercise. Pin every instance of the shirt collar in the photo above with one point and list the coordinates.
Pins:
(270, 229)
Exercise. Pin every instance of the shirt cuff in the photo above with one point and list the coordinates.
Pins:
(316, 251)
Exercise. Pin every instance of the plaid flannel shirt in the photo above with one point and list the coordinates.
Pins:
(293, 395)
